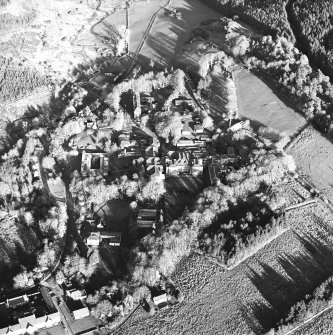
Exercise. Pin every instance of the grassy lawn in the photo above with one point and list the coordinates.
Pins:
(257, 102)
(181, 193)
(165, 43)
(117, 214)
(185, 184)
(217, 97)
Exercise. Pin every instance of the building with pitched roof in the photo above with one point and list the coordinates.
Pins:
(27, 314)
(146, 218)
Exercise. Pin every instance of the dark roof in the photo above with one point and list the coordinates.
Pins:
(153, 169)
(146, 212)
(48, 300)
(145, 223)
(4, 316)
(115, 238)
(231, 151)
(74, 305)
(214, 172)
(12, 303)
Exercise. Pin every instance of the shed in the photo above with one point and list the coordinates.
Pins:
(161, 300)
(81, 313)
(93, 239)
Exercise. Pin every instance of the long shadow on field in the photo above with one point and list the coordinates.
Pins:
(218, 99)
(305, 272)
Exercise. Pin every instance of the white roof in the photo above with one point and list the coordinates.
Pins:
(12, 330)
(160, 299)
(81, 313)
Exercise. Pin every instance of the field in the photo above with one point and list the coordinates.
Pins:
(258, 103)
(140, 14)
(181, 193)
(254, 295)
(313, 154)
(218, 99)
(117, 212)
(165, 43)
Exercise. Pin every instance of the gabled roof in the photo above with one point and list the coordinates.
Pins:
(10, 330)
(187, 127)
(153, 169)
(198, 127)
(160, 299)
(30, 321)
(94, 236)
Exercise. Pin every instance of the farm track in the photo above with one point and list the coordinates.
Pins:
(143, 40)
(308, 320)
(131, 314)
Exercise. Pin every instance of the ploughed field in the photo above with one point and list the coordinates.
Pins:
(258, 103)
(255, 294)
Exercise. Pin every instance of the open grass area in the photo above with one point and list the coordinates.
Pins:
(313, 154)
(165, 43)
(116, 212)
(257, 102)
(181, 193)
(218, 97)
(140, 13)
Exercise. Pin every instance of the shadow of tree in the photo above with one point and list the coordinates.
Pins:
(303, 273)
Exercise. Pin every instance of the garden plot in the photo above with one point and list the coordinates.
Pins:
(254, 295)
(313, 154)
(258, 103)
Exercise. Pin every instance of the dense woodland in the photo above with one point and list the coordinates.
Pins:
(312, 21)
(17, 80)
(235, 217)
(268, 16)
